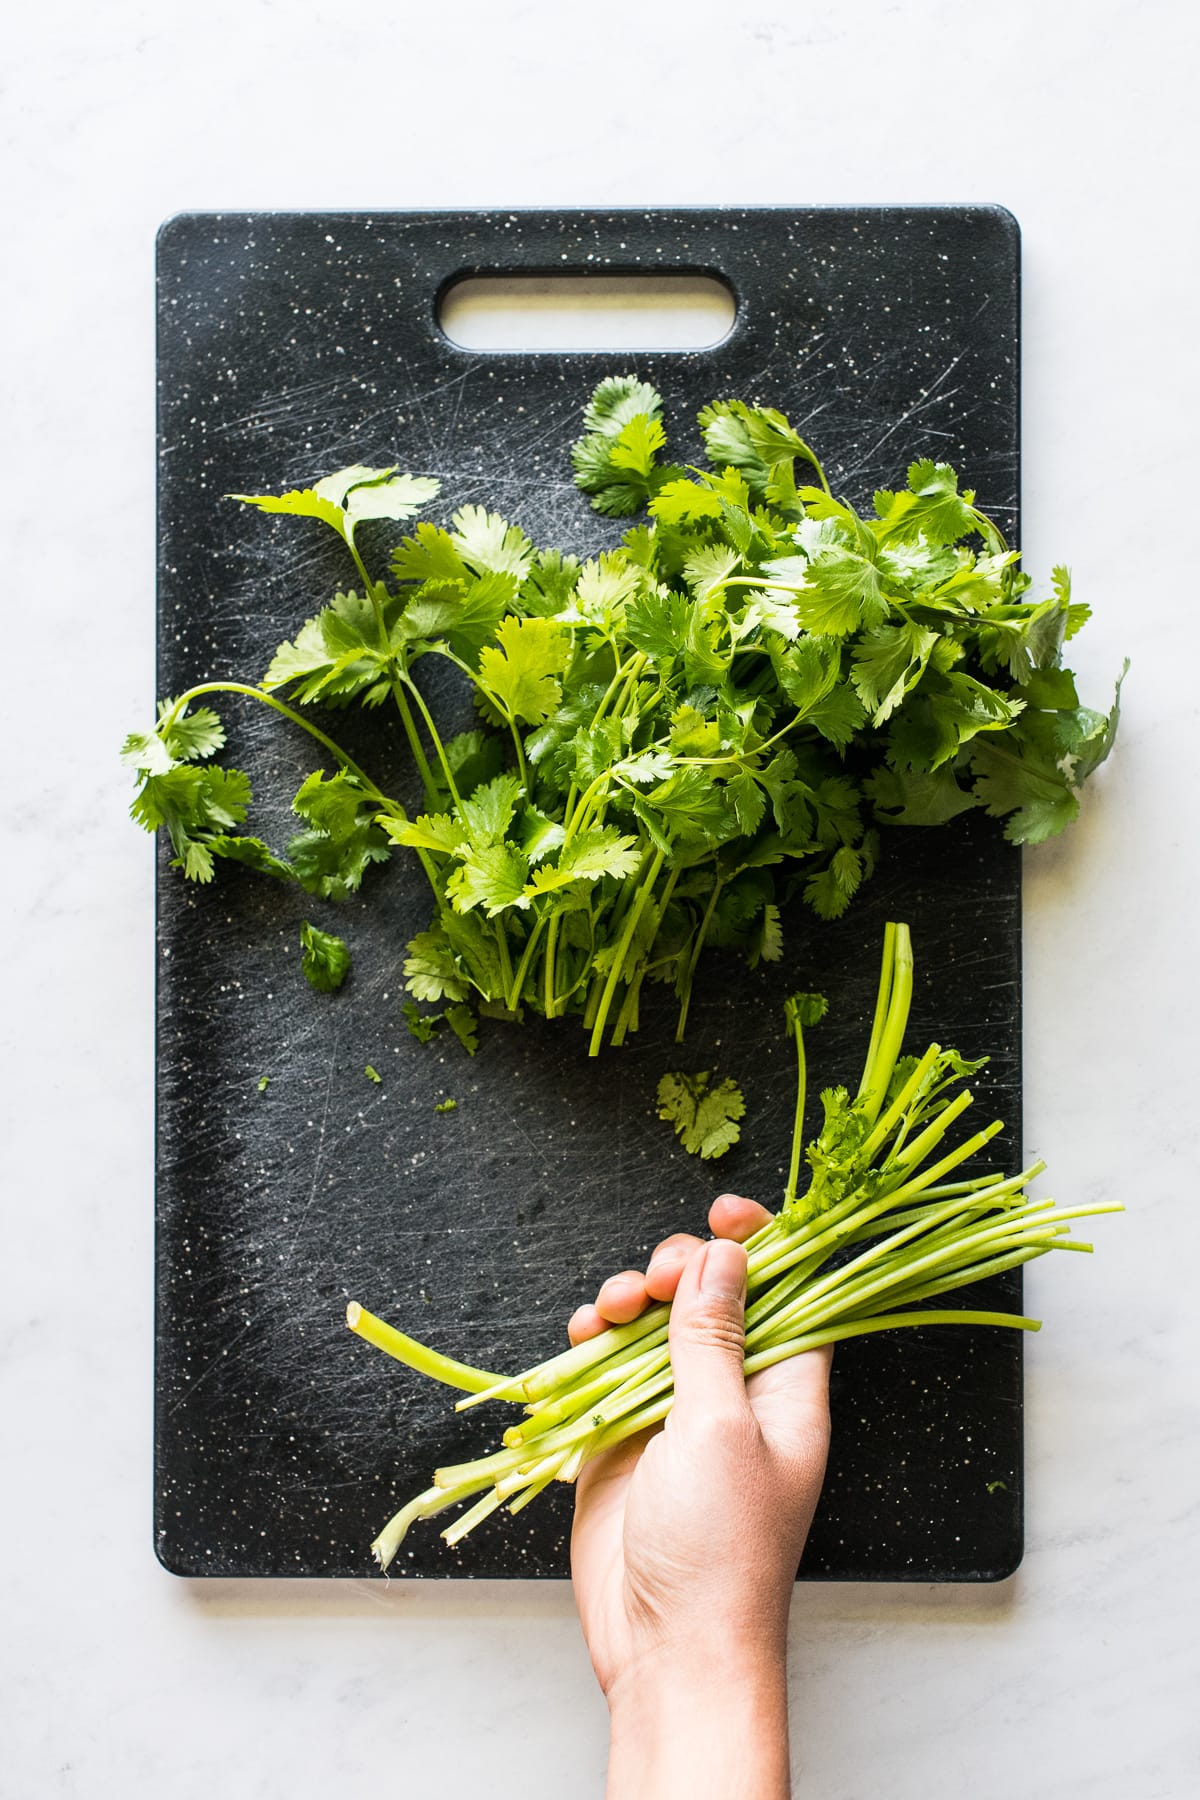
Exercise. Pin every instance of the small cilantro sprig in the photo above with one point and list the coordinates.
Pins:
(677, 736)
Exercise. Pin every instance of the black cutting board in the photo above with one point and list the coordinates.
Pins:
(294, 344)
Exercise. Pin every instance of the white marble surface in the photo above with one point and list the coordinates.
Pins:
(1074, 1677)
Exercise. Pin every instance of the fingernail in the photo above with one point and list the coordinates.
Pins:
(723, 1274)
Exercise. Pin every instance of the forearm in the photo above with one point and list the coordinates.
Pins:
(713, 1731)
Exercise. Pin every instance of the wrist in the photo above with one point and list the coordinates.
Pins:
(698, 1724)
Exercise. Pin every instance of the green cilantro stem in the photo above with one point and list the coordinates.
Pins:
(694, 958)
(416, 1356)
(793, 1174)
(415, 745)
(618, 965)
(335, 750)
(435, 740)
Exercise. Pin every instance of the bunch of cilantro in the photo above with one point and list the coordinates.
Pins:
(674, 736)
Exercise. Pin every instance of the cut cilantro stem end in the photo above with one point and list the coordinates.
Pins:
(885, 1226)
(676, 736)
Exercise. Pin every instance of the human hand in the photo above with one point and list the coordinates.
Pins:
(686, 1541)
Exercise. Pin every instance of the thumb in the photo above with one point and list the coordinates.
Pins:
(707, 1331)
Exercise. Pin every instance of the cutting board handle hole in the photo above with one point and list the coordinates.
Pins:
(678, 310)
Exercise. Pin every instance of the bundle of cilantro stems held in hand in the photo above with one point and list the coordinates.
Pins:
(884, 1225)
(674, 734)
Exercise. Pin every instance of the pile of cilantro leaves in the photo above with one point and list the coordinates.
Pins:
(675, 735)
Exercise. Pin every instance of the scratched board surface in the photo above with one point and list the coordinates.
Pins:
(290, 346)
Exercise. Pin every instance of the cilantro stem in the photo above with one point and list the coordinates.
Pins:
(434, 739)
(417, 1356)
(335, 750)
(506, 973)
(414, 742)
(513, 997)
(789, 1192)
(694, 957)
(614, 975)
(882, 1061)
(550, 1005)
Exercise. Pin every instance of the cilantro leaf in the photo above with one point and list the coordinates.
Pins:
(493, 877)
(431, 970)
(344, 839)
(520, 671)
(705, 1119)
(325, 959)
(586, 857)
(344, 499)
(615, 459)
(463, 1024)
(423, 1026)
(489, 545)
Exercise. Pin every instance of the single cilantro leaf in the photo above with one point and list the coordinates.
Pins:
(196, 733)
(464, 614)
(372, 1073)
(682, 502)
(692, 805)
(804, 1010)
(252, 852)
(766, 611)
(708, 567)
(917, 797)
(390, 497)
(647, 766)
(830, 891)
(489, 545)
(758, 442)
(439, 832)
(656, 623)
(487, 814)
(617, 400)
(445, 1106)
(520, 671)
(465, 1026)
(932, 508)
(615, 459)
(550, 583)
(349, 495)
(146, 753)
(264, 1082)
(586, 857)
(887, 663)
(605, 583)
(423, 1026)
(345, 838)
(325, 959)
(769, 947)
(431, 971)
(705, 1119)
(537, 833)
(493, 878)
(839, 592)
(333, 656)
(331, 803)
(431, 554)
(636, 445)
